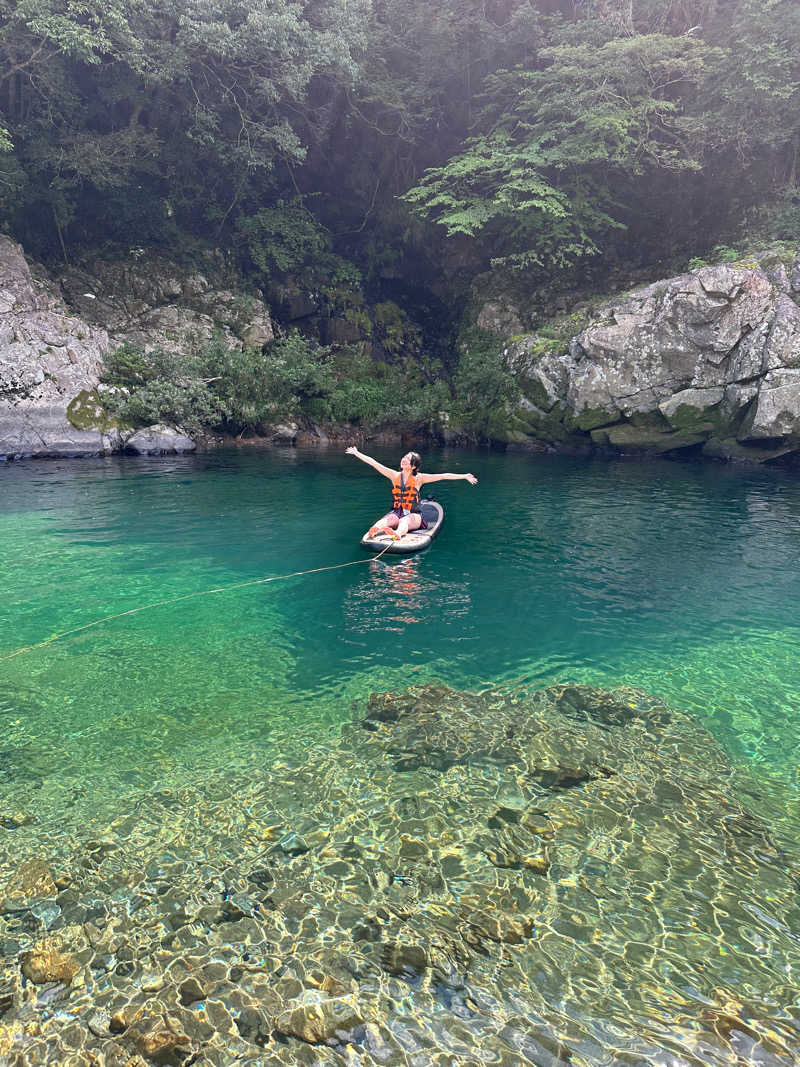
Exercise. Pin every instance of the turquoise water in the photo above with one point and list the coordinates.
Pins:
(678, 578)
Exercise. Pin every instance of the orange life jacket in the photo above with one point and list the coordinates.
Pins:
(405, 497)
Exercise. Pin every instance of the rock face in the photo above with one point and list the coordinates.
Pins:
(149, 302)
(47, 358)
(707, 360)
(54, 336)
(158, 440)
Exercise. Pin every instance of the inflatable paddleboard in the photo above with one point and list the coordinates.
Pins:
(432, 513)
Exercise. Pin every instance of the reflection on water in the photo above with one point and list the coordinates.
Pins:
(395, 595)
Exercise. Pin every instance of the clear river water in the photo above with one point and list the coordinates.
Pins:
(678, 579)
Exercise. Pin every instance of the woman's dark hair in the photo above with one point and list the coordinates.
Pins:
(415, 459)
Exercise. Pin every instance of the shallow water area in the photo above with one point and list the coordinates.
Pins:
(209, 737)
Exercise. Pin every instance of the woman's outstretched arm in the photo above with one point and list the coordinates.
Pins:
(423, 479)
(379, 467)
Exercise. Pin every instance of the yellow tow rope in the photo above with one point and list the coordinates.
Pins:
(190, 596)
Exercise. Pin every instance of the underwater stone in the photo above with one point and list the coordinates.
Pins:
(321, 1021)
(31, 882)
(404, 960)
(377, 1041)
(122, 1019)
(47, 963)
(220, 1018)
(293, 845)
(16, 820)
(99, 1022)
(496, 926)
(663, 820)
(158, 1037)
(9, 991)
(47, 913)
(191, 991)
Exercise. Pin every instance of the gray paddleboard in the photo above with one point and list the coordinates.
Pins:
(432, 513)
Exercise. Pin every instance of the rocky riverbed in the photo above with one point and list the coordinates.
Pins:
(568, 876)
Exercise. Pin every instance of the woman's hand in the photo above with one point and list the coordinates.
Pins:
(351, 451)
(471, 479)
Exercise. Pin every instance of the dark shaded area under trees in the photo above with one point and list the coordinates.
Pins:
(402, 148)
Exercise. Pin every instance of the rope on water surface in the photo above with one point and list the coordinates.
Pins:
(190, 596)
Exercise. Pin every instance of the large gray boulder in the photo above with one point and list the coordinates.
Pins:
(710, 358)
(670, 337)
(158, 440)
(50, 361)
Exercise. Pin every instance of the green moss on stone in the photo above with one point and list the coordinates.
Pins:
(645, 438)
(86, 412)
(691, 419)
(591, 418)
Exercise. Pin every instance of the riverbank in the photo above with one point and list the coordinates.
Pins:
(705, 363)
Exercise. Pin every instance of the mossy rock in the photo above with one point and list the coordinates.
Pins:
(628, 437)
(728, 448)
(592, 418)
(86, 412)
(547, 426)
(532, 388)
(689, 419)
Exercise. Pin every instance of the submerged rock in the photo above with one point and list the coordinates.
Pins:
(321, 1021)
(47, 962)
(31, 882)
(575, 871)
(159, 1037)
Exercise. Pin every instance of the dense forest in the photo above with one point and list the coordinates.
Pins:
(407, 148)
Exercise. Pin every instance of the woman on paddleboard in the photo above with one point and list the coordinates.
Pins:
(406, 484)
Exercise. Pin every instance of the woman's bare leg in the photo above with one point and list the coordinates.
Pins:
(384, 525)
(407, 523)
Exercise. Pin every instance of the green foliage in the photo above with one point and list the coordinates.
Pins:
(292, 373)
(127, 367)
(335, 272)
(394, 330)
(725, 254)
(242, 385)
(530, 134)
(752, 94)
(155, 387)
(187, 403)
(484, 390)
(234, 390)
(375, 394)
(720, 253)
(282, 238)
(363, 391)
(195, 102)
(544, 173)
(785, 221)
